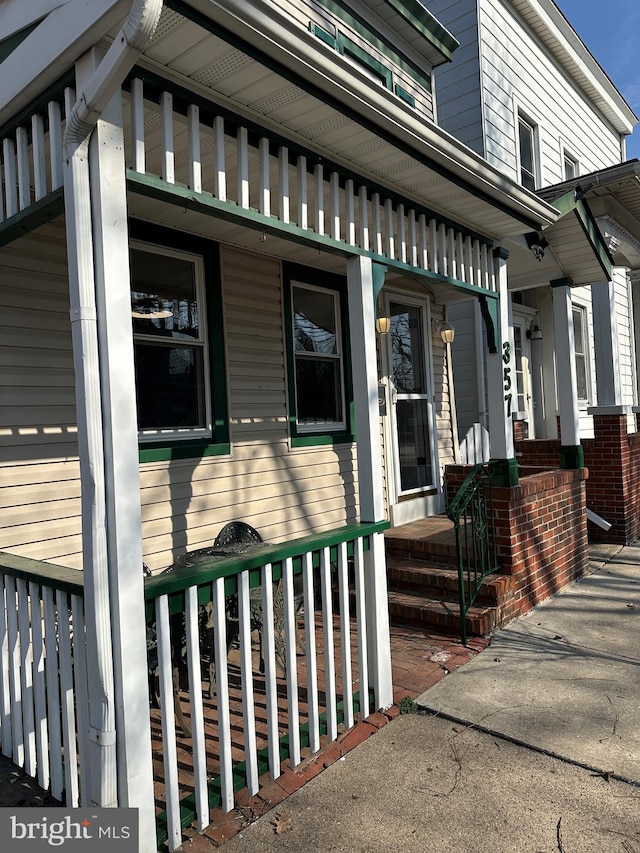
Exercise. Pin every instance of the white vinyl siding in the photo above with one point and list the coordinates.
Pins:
(517, 68)
(39, 471)
(282, 492)
(457, 84)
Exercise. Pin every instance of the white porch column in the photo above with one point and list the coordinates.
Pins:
(124, 535)
(607, 346)
(360, 282)
(101, 788)
(571, 453)
(501, 383)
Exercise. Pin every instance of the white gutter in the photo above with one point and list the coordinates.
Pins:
(102, 84)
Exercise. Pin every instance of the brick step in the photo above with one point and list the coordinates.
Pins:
(420, 549)
(406, 608)
(441, 580)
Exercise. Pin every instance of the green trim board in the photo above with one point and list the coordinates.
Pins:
(44, 574)
(593, 235)
(210, 252)
(575, 202)
(153, 187)
(39, 213)
(572, 457)
(8, 45)
(337, 284)
(349, 48)
(490, 310)
(288, 74)
(421, 19)
(202, 575)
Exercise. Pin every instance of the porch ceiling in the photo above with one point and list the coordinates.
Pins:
(261, 75)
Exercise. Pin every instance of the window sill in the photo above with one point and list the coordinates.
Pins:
(323, 439)
(163, 452)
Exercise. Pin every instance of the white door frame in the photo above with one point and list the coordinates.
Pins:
(523, 318)
(410, 505)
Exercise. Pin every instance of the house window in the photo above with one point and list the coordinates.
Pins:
(318, 375)
(580, 335)
(527, 153)
(180, 391)
(569, 167)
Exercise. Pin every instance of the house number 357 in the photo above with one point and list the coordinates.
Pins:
(506, 358)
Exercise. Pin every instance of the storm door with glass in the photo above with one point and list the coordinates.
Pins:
(411, 407)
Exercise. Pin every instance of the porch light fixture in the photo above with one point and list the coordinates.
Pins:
(383, 324)
(444, 329)
(534, 333)
(537, 243)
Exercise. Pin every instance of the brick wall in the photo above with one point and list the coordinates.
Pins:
(613, 488)
(541, 533)
(541, 530)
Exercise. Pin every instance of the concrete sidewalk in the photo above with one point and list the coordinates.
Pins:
(535, 746)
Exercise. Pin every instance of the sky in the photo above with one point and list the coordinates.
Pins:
(610, 31)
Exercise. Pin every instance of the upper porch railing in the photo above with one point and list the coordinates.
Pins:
(196, 152)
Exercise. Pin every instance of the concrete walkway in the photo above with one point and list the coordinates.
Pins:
(534, 746)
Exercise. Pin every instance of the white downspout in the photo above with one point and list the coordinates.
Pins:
(103, 83)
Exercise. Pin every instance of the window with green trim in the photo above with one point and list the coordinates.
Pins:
(176, 344)
(319, 378)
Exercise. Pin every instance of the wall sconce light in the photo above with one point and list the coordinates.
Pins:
(383, 324)
(534, 333)
(537, 243)
(444, 329)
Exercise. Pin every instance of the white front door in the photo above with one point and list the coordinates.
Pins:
(414, 456)
(523, 398)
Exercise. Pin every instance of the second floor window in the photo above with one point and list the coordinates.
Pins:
(527, 153)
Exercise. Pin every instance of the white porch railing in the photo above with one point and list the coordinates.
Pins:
(318, 666)
(219, 157)
(43, 676)
(31, 155)
(246, 170)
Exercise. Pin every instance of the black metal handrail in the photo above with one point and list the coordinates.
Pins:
(472, 514)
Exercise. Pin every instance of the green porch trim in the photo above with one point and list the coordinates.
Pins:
(575, 202)
(239, 771)
(282, 70)
(183, 196)
(174, 583)
(45, 574)
(404, 95)
(572, 456)
(39, 213)
(593, 235)
(490, 310)
(379, 274)
(561, 282)
(503, 472)
(427, 25)
(8, 45)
